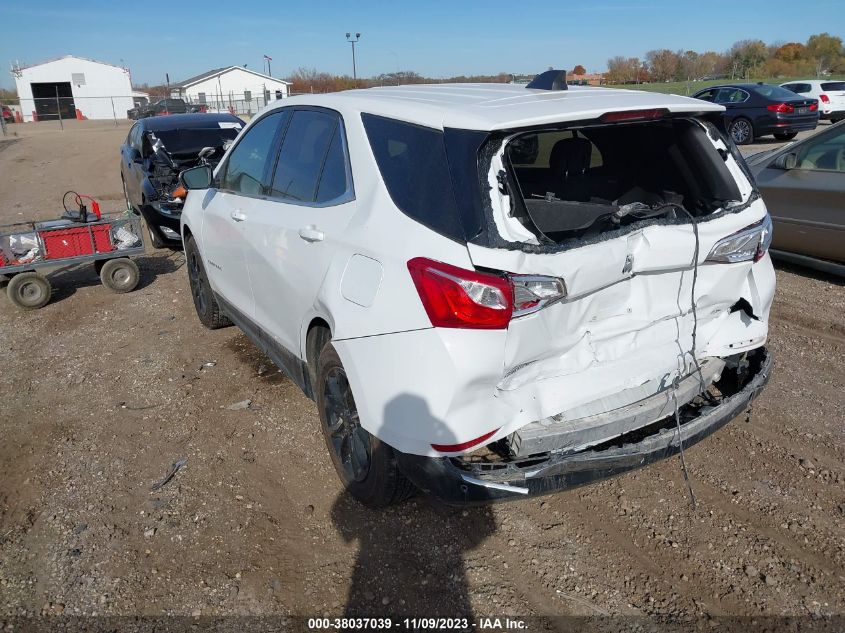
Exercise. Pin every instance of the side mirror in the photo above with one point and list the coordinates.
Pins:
(786, 161)
(197, 177)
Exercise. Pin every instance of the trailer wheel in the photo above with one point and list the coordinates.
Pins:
(120, 275)
(29, 291)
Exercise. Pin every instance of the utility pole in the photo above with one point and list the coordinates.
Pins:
(353, 42)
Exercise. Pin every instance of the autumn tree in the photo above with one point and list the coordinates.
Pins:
(826, 51)
(712, 63)
(624, 70)
(790, 52)
(663, 64)
(579, 70)
(747, 58)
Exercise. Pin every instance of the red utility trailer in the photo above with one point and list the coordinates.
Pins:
(27, 248)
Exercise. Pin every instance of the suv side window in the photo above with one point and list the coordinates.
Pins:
(246, 167)
(334, 179)
(413, 164)
(731, 95)
(707, 95)
(304, 156)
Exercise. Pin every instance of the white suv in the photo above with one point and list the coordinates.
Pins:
(491, 291)
(829, 93)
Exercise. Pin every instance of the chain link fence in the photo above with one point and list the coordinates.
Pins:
(246, 103)
(59, 111)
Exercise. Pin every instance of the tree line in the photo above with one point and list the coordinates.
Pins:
(311, 80)
(747, 59)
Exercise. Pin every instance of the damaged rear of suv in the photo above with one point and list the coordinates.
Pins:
(529, 288)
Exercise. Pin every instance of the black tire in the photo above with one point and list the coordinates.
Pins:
(365, 465)
(29, 291)
(741, 131)
(120, 275)
(205, 304)
(155, 238)
(98, 266)
(125, 193)
(785, 136)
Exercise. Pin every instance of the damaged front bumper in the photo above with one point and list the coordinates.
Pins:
(459, 481)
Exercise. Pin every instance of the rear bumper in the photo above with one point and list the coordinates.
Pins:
(832, 114)
(456, 482)
(786, 123)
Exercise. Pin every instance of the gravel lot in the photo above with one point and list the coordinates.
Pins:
(102, 393)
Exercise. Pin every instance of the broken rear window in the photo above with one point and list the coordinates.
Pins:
(577, 183)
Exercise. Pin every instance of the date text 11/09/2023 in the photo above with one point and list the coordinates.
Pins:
(415, 624)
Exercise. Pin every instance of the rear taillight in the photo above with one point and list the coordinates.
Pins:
(824, 98)
(535, 292)
(749, 244)
(783, 108)
(458, 298)
(813, 107)
(455, 448)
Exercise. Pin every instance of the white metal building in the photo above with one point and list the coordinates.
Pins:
(70, 84)
(233, 87)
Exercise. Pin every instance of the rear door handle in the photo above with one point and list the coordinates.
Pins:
(238, 216)
(311, 234)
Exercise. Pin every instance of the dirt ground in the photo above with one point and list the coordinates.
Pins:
(101, 393)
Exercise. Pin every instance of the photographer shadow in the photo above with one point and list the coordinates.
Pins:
(411, 557)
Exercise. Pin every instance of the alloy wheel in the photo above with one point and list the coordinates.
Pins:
(197, 281)
(741, 131)
(349, 440)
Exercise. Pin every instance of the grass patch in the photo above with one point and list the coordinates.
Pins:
(686, 88)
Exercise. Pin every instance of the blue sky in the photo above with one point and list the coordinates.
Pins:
(436, 38)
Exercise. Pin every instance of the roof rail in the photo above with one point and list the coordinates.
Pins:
(549, 80)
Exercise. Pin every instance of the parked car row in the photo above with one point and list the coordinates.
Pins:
(164, 107)
(757, 109)
(829, 94)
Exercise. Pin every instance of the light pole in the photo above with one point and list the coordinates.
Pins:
(353, 42)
